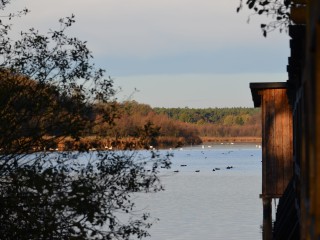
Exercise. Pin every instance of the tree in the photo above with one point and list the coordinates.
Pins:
(48, 90)
(148, 135)
(279, 10)
(58, 197)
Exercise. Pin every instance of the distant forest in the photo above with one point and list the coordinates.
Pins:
(222, 116)
(132, 125)
(176, 127)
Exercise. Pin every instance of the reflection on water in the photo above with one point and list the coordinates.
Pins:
(221, 204)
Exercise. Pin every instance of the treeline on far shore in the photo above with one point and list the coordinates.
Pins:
(141, 126)
(70, 124)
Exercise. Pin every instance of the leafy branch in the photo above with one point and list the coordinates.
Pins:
(279, 10)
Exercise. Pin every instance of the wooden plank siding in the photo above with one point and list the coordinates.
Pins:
(298, 212)
(264, 150)
(308, 190)
(317, 124)
(277, 162)
(277, 145)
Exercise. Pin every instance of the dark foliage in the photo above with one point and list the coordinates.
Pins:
(57, 196)
(49, 91)
(279, 10)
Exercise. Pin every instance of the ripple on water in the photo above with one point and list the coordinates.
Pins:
(206, 207)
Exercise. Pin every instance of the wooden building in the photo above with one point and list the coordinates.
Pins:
(304, 79)
(277, 163)
(298, 211)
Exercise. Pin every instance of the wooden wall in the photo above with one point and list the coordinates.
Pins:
(310, 102)
(277, 144)
(277, 162)
(304, 95)
(303, 89)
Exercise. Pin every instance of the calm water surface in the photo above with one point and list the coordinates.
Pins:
(205, 205)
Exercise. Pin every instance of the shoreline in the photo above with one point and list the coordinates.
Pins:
(231, 139)
(130, 143)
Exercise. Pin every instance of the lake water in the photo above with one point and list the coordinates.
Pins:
(206, 205)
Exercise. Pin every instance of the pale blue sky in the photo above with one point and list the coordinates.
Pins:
(177, 53)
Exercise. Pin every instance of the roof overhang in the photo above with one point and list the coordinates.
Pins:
(259, 86)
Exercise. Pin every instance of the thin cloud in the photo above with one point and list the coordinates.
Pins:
(146, 28)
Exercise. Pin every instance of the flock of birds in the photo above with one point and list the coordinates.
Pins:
(214, 169)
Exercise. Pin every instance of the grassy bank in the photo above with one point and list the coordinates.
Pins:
(232, 139)
(136, 143)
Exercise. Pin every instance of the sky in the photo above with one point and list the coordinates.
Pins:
(170, 53)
